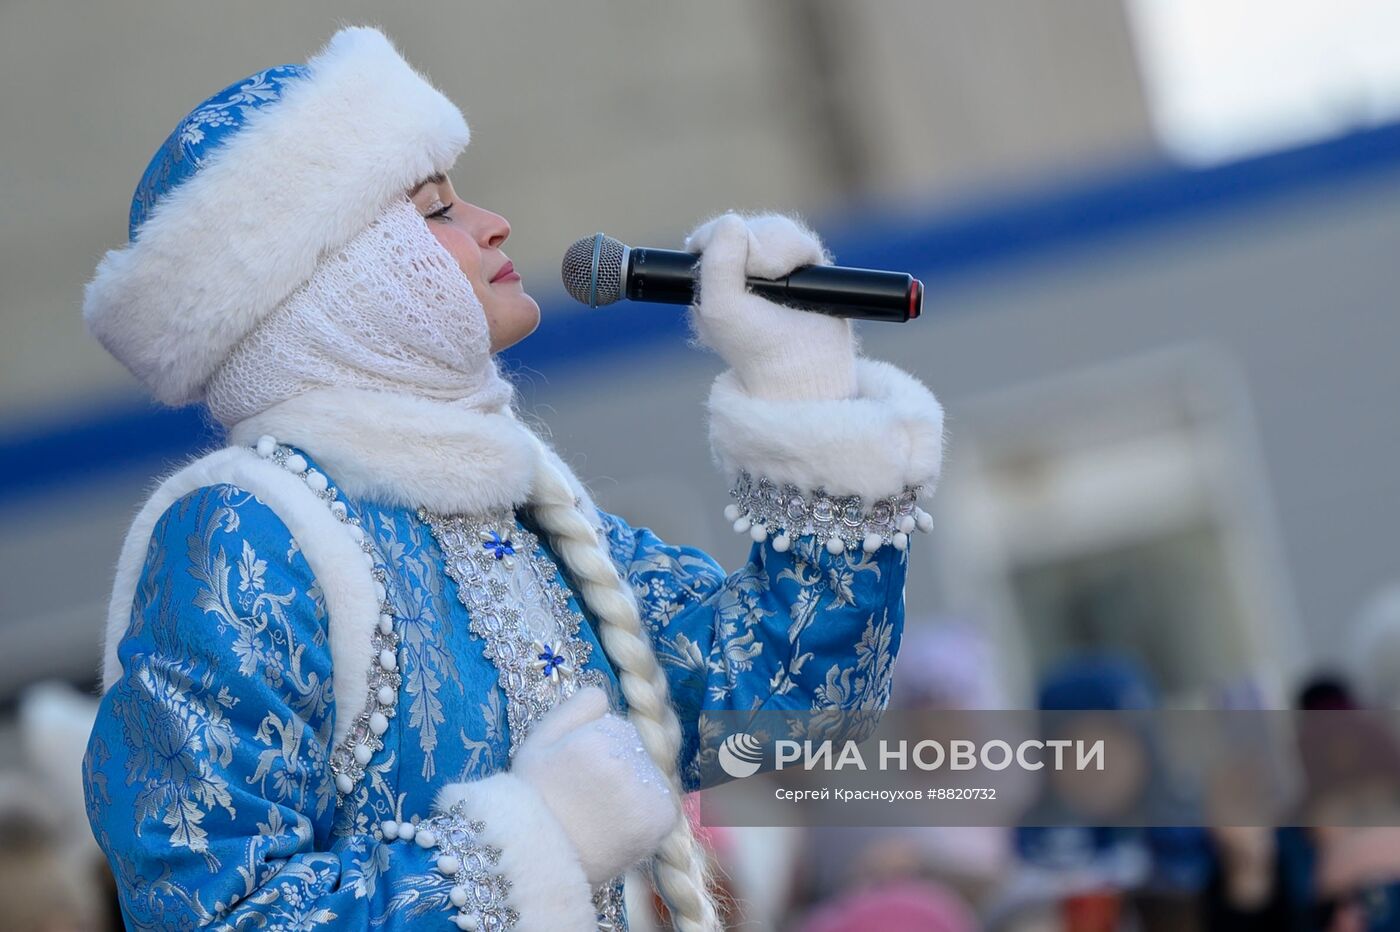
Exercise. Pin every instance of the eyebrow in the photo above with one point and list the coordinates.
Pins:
(439, 178)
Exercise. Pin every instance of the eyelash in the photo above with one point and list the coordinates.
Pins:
(440, 213)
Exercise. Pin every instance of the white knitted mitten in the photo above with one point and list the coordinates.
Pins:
(598, 781)
(778, 352)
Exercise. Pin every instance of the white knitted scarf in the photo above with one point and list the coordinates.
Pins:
(391, 311)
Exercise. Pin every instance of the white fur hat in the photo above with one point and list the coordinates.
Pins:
(252, 188)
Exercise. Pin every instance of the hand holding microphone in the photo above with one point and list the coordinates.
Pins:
(778, 352)
(599, 270)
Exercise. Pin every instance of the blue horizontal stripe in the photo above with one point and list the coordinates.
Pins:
(938, 248)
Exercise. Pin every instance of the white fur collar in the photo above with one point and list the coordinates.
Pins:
(407, 451)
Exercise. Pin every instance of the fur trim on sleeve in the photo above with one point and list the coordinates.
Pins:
(889, 436)
(547, 884)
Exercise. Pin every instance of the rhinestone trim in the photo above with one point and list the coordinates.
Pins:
(610, 905)
(762, 508)
(353, 754)
(516, 604)
(478, 891)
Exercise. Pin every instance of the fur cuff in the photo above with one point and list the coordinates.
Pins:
(548, 889)
(303, 176)
(874, 445)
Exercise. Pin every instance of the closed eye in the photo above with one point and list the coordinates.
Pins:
(440, 212)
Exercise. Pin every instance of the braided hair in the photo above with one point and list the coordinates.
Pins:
(679, 869)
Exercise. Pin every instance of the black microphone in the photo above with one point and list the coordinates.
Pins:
(599, 270)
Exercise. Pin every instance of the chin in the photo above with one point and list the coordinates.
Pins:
(515, 324)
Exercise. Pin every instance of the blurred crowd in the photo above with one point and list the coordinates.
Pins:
(1341, 874)
(1337, 869)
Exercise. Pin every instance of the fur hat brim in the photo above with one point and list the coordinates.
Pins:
(302, 177)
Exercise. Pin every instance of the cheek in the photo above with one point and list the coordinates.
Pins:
(462, 248)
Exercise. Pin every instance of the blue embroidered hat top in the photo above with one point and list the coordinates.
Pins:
(201, 132)
(230, 215)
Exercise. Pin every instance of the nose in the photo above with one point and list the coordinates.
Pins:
(492, 228)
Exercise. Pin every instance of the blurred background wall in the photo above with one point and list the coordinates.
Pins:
(1159, 239)
(1166, 350)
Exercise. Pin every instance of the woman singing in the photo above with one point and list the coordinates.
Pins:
(381, 663)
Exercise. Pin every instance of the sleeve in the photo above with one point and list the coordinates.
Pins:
(208, 775)
(828, 491)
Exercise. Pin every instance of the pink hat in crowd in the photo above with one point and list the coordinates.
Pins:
(906, 906)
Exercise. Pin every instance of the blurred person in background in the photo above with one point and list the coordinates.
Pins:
(946, 666)
(1338, 868)
(1104, 878)
(43, 888)
(898, 906)
(52, 875)
(363, 665)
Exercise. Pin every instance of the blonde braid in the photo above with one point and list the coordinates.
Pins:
(679, 868)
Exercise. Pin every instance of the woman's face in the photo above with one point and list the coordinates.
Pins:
(473, 235)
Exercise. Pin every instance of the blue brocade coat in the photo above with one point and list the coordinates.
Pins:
(222, 776)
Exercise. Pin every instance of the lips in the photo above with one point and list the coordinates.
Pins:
(503, 271)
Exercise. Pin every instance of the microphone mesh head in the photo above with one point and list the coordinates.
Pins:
(579, 274)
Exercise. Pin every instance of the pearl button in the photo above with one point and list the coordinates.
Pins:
(389, 829)
(835, 545)
(871, 543)
(465, 922)
(378, 723)
(407, 830)
(425, 838)
(923, 520)
(343, 783)
(386, 695)
(296, 463)
(781, 543)
(339, 510)
(458, 896)
(731, 513)
(759, 533)
(449, 865)
(266, 445)
(741, 524)
(386, 624)
(317, 481)
(387, 660)
(906, 523)
(901, 540)
(363, 753)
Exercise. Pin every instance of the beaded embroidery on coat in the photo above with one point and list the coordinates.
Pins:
(517, 605)
(364, 739)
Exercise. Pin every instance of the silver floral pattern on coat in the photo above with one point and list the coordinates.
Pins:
(518, 607)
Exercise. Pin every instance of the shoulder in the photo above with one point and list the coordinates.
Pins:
(220, 570)
(235, 507)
